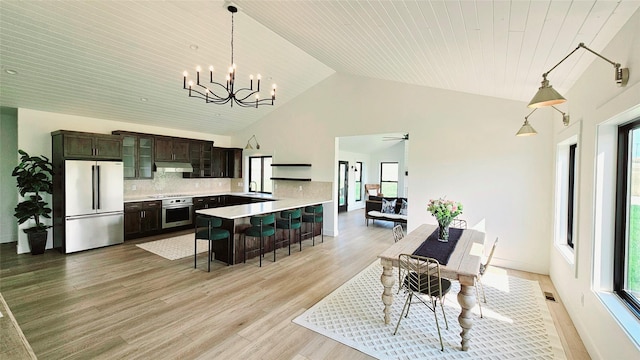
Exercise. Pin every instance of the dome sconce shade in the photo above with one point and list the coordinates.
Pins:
(548, 96)
(528, 130)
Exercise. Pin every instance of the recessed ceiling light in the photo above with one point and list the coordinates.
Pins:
(143, 99)
(193, 47)
(11, 72)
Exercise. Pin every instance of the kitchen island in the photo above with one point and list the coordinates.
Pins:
(235, 219)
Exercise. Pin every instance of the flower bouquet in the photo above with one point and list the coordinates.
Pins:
(444, 211)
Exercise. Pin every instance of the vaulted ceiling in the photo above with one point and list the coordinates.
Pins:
(123, 60)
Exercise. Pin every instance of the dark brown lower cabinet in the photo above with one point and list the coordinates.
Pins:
(142, 218)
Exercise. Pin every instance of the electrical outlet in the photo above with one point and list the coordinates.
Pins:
(300, 188)
(239, 183)
(133, 187)
(219, 184)
(582, 299)
(197, 185)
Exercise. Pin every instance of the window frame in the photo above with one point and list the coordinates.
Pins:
(358, 180)
(262, 173)
(571, 203)
(382, 181)
(621, 215)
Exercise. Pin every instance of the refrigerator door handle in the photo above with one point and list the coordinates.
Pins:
(97, 189)
(93, 187)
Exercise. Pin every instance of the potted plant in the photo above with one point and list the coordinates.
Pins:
(33, 175)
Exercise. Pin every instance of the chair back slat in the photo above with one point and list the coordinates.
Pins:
(398, 233)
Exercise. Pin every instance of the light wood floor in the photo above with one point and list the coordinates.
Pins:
(124, 302)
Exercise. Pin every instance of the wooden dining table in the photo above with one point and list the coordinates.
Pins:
(463, 265)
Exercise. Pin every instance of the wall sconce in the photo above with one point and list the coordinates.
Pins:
(249, 147)
(528, 130)
(547, 96)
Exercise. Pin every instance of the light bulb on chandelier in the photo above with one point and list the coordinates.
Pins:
(219, 93)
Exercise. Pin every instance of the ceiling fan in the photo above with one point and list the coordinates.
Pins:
(403, 137)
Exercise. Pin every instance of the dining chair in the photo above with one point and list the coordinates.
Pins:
(420, 278)
(261, 226)
(208, 228)
(458, 223)
(481, 271)
(398, 233)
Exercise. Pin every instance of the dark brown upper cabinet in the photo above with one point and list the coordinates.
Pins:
(171, 149)
(137, 155)
(200, 157)
(227, 162)
(81, 145)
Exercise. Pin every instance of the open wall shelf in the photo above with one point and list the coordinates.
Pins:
(291, 179)
(291, 172)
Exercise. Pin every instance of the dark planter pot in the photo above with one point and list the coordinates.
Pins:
(37, 242)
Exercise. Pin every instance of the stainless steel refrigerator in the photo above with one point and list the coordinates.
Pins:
(94, 208)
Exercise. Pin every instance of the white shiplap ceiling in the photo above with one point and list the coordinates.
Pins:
(100, 58)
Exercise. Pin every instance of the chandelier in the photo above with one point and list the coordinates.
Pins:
(222, 93)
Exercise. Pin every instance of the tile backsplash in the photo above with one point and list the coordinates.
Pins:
(173, 183)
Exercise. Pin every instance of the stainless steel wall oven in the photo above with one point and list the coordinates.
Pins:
(177, 212)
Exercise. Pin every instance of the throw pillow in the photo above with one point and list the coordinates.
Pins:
(403, 208)
(388, 206)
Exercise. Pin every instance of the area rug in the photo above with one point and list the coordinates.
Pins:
(516, 324)
(174, 248)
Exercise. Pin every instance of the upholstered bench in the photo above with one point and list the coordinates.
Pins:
(387, 209)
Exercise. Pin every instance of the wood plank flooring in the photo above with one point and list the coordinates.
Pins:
(124, 302)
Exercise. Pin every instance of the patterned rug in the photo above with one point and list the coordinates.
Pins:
(174, 248)
(516, 324)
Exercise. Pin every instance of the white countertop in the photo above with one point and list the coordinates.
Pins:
(247, 210)
(182, 195)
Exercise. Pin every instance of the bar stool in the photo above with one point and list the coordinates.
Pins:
(313, 215)
(291, 219)
(261, 226)
(208, 228)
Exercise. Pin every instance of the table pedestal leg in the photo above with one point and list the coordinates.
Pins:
(467, 300)
(387, 280)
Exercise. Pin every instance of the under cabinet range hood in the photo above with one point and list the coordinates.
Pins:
(183, 167)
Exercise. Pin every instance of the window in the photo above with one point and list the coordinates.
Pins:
(389, 179)
(565, 198)
(358, 176)
(260, 174)
(571, 182)
(626, 272)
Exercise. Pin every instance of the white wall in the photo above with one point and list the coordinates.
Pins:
(34, 136)
(8, 160)
(462, 146)
(602, 334)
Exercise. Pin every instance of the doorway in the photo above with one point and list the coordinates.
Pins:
(343, 185)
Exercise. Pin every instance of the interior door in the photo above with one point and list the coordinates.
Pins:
(343, 185)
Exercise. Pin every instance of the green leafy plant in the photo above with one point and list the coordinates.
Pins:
(33, 175)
